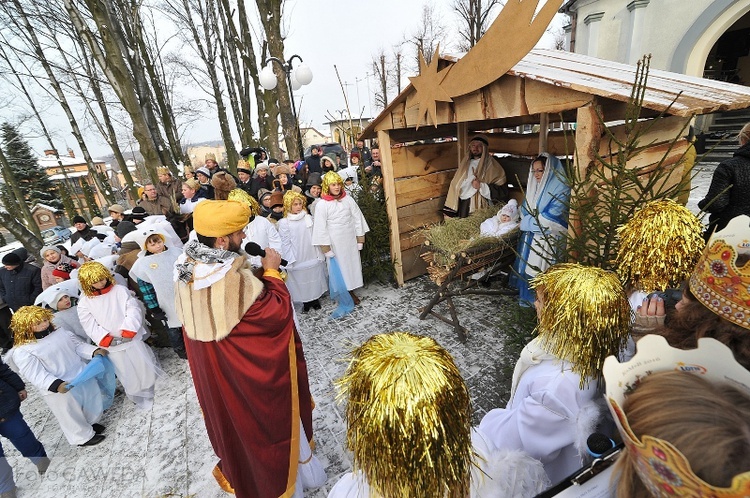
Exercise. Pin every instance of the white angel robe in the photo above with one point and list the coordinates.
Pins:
(68, 320)
(60, 356)
(264, 233)
(134, 362)
(306, 272)
(544, 413)
(158, 270)
(497, 473)
(338, 223)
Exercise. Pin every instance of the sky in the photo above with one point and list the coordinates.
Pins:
(324, 33)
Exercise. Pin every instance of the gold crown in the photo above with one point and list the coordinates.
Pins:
(717, 281)
(663, 469)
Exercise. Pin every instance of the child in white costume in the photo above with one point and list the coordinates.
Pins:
(306, 271)
(339, 229)
(584, 317)
(113, 318)
(62, 299)
(49, 358)
(153, 272)
(505, 221)
(409, 428)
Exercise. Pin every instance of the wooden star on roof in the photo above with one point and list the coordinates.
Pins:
(428, 88)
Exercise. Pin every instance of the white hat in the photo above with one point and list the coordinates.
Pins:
(511, 209)
(53, 293)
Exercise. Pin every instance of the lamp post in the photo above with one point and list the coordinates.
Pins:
(295, 78)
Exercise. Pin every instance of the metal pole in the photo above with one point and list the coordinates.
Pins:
(294, 110)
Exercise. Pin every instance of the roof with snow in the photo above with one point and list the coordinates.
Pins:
(53, 162)
(580, 78)
(39, 205)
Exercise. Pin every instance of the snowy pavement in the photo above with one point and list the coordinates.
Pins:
(165, 452)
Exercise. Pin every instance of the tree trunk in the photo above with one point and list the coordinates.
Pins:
(10, 179)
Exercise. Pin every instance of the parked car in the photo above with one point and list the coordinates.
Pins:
(55, 235)
(334, 147)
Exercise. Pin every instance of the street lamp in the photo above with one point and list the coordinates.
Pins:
(295, 78)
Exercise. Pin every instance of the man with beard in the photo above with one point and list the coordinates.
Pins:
(479, 181)
(246, 358)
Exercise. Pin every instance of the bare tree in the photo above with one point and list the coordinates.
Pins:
(427, 36)
(475, 16)
(380, 69)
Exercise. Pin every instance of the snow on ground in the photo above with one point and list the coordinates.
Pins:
(166, 452)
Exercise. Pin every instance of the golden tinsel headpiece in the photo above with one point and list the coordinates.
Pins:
(245, 198)
(23, 322)
(585, 316)
(718, 281)
(330, 178)
(659, 246)
(289, 197)
(92, 272)
(408, 417)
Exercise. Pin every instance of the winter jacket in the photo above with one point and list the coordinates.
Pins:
(86, 234)
(48, 279)
(10, 385)
(20, 286)
(729, 193)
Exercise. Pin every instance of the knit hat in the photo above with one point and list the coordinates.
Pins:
(124, 228)
(91, 273)
(262, 193)
(355, 154)
(282, 169)
(62, 270)
(511, 209)
(223, 183)
(277, 199)
(23, 322)
(261, 166)
(203, 171)
(96, 221)
(116, 208)
(192, 184)
(220, 218)
(11, 259)
(78, 219)
(49, 248)
(138, 213)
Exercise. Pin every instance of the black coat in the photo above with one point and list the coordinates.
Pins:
(729, 190)
(20, 286)
(86, 234)
(10, 385)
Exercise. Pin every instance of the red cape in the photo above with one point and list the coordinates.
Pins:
(250, 403)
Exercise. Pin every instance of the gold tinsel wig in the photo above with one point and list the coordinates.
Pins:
(23, 322)
(245, 198)
(289, 197)
(329, 179)
(408, 417)
(585, 316)
(92, 272)
(659, 246)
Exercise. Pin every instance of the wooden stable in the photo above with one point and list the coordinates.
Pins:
(545, 87)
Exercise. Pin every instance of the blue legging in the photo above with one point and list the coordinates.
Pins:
(18, 432)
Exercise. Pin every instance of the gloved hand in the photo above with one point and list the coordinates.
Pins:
(156, 317)
(329, 254)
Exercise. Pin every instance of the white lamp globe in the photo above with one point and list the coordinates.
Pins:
(303, 74)
(267, 78)
(296, 85)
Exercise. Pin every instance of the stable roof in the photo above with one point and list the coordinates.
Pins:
(607, 80)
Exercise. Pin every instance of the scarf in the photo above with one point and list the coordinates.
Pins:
(532, 354)
(329, 197)
(299, 216)
(202, 265)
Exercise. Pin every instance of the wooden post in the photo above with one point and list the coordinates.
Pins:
(389, 189)
(543, 131)
(462, 132)
(589, 130)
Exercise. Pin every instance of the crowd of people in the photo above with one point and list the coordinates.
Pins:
(121, 288)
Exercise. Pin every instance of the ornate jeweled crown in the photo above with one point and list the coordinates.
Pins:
(663, 469)
(717, 281)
